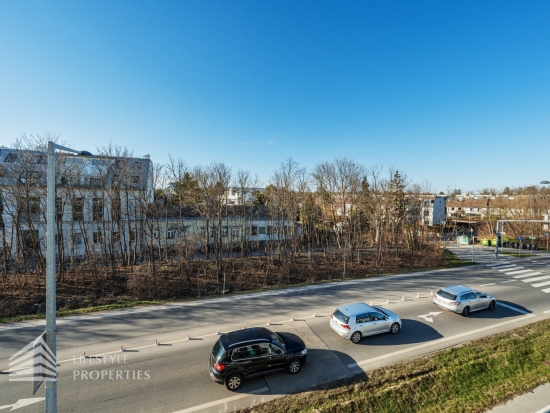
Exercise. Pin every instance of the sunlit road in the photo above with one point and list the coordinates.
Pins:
(173, 376)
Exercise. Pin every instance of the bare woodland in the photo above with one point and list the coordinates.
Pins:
(339, 220)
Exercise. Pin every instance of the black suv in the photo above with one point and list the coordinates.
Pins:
(254, 352)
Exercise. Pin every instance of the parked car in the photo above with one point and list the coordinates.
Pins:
(357, 320)
(252, 352)
(463, 300)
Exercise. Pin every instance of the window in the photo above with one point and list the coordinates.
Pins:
(262, 230)
(95, 182)
(97, 209)
(183, 231)
(249, 352)
(116, 213)
(203, 231)
(426, 213)
(97, 238)
(271, 230)
(170, 234)
(341, 316)
(374, 316)
(11, 157)
(133, 236)
(116, 236)
(33, 205)
(467, 296)
(59, 207)
(362, 318)
(254, 230)
(78, 240)
(78, 209)
(156, 234)
(224, 231)
(235, 231)
(135, 180)
(30, 239)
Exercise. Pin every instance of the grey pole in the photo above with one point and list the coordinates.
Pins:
(51, 386)
(496, 249)
(473, 242)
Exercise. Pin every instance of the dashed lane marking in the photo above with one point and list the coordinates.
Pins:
(484, 285)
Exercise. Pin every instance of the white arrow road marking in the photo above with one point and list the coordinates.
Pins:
(428, 317)
(22, 403)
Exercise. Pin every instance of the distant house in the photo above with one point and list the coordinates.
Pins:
(237, 224)
(240, 196)
(429, 210)
(467, 207)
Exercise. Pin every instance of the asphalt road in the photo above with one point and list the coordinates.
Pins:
(173, 376)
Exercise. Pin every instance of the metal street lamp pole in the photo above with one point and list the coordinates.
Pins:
(51, 386)
(473, 242)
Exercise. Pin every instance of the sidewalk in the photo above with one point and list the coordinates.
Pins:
(536, 401)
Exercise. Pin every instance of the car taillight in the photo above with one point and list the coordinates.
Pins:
(454, 303)
(345, 326)
(219, 366)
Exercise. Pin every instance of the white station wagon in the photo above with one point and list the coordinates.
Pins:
(357, 320)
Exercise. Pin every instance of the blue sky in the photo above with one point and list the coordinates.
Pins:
(453, 93)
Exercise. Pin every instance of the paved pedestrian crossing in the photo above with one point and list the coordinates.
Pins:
(519, 273)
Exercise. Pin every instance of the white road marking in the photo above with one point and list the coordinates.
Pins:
(222, 401)
(544, 409)
(518, 272)
(22, 403)
(546, 312)
(496, 265)
(512, 308)
(441, 340)
(546, 291)
(545, 277)
(541, 284)
(484, 285)
(508, 268)
(428, 317)
(509, 281)
(528, 275)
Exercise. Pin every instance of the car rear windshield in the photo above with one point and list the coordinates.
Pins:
(341, 316)
(218, 350)
(447, 295)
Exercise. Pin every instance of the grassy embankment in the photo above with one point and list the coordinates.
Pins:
(468, 378)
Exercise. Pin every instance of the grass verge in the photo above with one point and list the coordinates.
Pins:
(465, 379)
(86, 310)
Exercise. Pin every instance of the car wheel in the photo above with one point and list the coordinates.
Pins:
(394, 328)
(492, 305)
(294, 366)
(233, 382)
(356, 337)
(466, 311)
